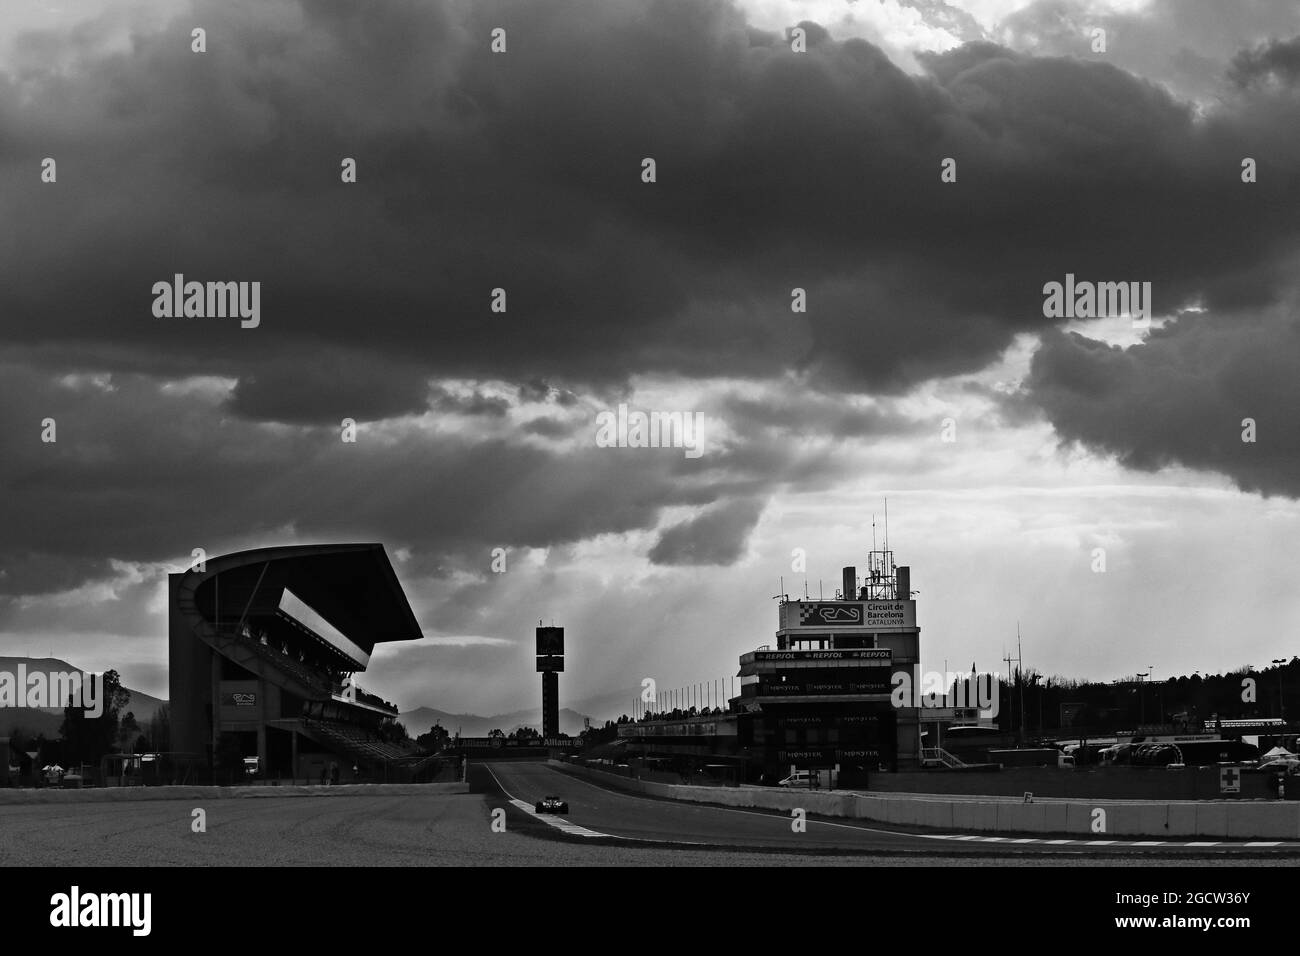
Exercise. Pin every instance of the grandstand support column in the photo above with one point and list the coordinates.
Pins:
(214, 695)
(293, 751)
(262, 768)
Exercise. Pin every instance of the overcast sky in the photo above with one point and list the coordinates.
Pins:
(775, 170)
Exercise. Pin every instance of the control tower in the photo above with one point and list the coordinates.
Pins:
(550, 662)
(822, 697)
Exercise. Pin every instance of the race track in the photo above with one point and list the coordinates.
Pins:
(610, 813)
(442, 829)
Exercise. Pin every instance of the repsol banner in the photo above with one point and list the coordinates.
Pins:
(878, 655)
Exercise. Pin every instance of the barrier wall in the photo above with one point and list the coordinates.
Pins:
(1090, 783)
(1238, 820)
(131, 794)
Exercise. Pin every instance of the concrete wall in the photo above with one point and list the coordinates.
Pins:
(130, 794)
(1263, 820)
(1090, 783)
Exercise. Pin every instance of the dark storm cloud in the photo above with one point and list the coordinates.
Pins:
(27, 571)
(133, 457)
(314, 386)
(129, 465)
(441, 400)
(717, 536)
(521, 171)
(1275, 62)
(548, 427)
(1182, 396)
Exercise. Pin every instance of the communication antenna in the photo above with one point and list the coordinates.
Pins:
(886, 524)
(1015, 678)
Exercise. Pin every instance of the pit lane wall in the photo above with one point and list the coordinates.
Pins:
(1211, 820)
(133, 794)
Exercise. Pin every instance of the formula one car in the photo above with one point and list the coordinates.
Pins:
(551, 805)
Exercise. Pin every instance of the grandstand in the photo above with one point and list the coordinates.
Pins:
(264, 649)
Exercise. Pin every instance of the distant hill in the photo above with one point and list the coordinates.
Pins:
(32, 722)
(607, 706)
(47, 720)
(419, 721)
(600, 708)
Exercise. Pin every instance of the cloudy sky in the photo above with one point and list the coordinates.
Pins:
(775, 170)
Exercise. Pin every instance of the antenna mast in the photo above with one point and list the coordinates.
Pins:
(881, 580)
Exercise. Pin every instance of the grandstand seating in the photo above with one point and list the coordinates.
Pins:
(286, 663)
(357, 741)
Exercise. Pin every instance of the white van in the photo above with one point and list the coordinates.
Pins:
(801, 778)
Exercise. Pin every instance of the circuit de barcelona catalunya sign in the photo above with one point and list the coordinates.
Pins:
(867, 614)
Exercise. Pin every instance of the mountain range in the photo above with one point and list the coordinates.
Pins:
(47, 720)
(419, 721)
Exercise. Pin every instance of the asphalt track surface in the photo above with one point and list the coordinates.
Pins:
(608, 814)
(458, 830)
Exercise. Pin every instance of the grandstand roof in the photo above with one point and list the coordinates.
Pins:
(353, 586)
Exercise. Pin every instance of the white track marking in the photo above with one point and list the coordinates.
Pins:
(612, 836)
(570, 828)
